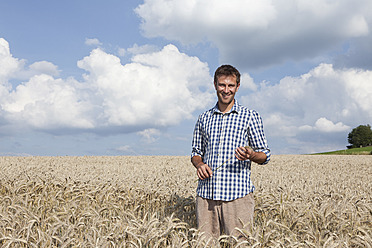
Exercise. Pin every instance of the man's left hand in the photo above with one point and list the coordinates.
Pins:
(244, 153)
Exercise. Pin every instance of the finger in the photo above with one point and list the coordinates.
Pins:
(243, 150)
(203, 173)
(199, 171)
(209, 171)
(200, 174)
(240, 152)
(239, 157)
(249, 151)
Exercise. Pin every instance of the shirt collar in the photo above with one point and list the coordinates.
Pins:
(235, 108)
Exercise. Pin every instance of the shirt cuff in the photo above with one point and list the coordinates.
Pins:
(268, 155)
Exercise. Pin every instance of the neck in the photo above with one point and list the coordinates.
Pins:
(224, 108)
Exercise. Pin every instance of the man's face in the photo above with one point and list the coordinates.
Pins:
(226, 87)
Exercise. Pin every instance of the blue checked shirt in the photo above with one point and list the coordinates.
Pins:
(216, 136)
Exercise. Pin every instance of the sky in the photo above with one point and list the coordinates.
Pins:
(89, 78)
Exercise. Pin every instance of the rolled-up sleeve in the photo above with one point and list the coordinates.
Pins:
(256, 135)
(197, 140)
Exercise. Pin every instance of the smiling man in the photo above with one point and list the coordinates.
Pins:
(226, 139)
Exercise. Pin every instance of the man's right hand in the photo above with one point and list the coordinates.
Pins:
(203, 171)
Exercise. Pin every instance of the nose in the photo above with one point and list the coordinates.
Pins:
(226, 89)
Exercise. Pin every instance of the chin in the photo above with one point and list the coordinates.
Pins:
(227, 101)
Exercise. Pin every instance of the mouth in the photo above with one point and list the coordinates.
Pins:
(225, 96)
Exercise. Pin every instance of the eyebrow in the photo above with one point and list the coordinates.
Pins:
(228, 83)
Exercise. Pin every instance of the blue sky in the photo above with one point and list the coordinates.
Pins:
(130, 77)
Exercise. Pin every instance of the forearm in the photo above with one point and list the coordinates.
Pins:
(258, 157)
(197, 161)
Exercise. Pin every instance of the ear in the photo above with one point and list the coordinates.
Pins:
(215, 85)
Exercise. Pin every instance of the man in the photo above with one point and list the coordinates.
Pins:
(222, 155)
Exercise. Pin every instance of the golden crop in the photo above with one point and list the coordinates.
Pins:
(149, 201)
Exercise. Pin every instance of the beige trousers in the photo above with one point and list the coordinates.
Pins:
(215, 218)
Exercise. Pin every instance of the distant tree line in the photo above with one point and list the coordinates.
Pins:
(360, 136)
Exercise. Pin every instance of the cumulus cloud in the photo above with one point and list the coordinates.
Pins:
(258, 33)
(37, 68)
(247, 82)
(160, 88)
(8, 64)
(46, 103)
(44, 67)
(156, 89)
(121, 51)
(149, 135)
(324, 100)
(92, 42)
(189, 21)
(127, 149)
(136, 49)
(325, 125)
(14, 68)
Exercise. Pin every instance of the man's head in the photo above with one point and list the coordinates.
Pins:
(227, 70)
(226, 83)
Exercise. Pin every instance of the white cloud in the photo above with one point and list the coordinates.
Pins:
(13, 68)
(156, 89)
(324, 91)
(149, 135)
(127, 149)
(37, 68)
(247, 82)
(136, 49)
(324, 100)
(8, 64)
(44, 67)
(121, 52)
(191, 21)
(306, 128)
(161, 88)
(47, 103)
(325, 125)
(259, 33)
(92, 42)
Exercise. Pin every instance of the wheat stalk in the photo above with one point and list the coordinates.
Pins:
(232, 156)
(301, 201)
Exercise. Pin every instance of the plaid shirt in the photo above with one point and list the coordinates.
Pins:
(216, 136)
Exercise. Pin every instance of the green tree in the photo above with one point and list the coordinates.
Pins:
(360, 136)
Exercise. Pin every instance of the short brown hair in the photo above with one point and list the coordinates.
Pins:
(227, 70)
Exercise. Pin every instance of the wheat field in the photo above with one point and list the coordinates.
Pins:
(149, 201)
